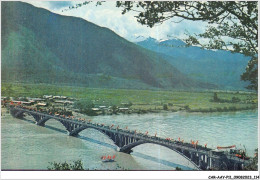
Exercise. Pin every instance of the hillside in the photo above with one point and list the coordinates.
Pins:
(42, 47)
(220, 67)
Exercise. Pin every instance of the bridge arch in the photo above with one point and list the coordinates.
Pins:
(126, 140)
(112, 136)
(128, 149)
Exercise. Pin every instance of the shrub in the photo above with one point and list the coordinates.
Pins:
(235, 100)
(165, 107)
(215, 97)
(253, 166)
(178, 169)
(219, 109)
(77, 166)
(84, 104)
(186, 107)
(232, 108)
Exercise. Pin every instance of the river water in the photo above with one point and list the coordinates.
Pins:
(27, 146)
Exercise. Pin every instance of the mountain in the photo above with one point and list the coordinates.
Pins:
(219, 67)
(39, 46)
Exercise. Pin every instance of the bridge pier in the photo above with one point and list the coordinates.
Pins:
(42, 119)
(16, 113)
(202, 159)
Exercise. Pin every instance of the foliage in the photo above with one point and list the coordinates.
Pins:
(107, 62)
(235, 100)
(186, 107)
(129, 104)
(233, 25)
(75, 166)
(114, 109)
(215, 97)
(141, 99)
(8, 90)
(219, 100)
(84, 104)
(253, 166)
(60, 111)
(199, 62)
(178, 169)
(165, 107)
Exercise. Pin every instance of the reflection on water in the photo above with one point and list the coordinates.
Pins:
(27, 146)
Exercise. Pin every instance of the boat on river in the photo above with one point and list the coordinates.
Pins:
(108, 158)
(226, 147)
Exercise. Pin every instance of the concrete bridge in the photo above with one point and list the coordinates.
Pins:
(202, 158)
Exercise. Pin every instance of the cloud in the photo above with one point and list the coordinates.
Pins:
(108, 15)
(59, 4)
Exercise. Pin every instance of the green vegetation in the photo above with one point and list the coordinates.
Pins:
(96, 57)
(146, 100)
(218, 100)
(253, 166)
(178, 169)
(76, 166)
(236, 20)
(227, 66)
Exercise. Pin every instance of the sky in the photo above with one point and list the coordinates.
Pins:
(108, 15)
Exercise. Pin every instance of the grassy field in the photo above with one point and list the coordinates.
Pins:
(141, 99)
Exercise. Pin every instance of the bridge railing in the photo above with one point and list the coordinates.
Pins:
(129, 133)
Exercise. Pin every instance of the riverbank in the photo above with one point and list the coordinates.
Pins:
(91, 144)
(161, 111)
(141, 101)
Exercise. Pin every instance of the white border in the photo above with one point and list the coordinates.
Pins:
(126, 174)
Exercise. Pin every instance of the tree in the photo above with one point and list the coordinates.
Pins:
(84, 104)
(178, 169)
(165, 107)
(253, 166)
(232, 25)
(215, 97)
(7, 90)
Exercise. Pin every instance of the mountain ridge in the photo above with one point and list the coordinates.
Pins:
(42, 47)
(220, 67)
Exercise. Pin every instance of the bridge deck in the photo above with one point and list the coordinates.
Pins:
(129, 133)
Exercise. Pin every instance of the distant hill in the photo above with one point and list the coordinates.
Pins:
(219, 67)
(39, 46)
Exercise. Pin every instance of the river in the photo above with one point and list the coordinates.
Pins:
(27, 146)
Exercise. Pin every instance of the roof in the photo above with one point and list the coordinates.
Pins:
(41, 104)
(95, 109)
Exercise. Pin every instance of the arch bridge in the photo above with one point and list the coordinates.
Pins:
(202, 158)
